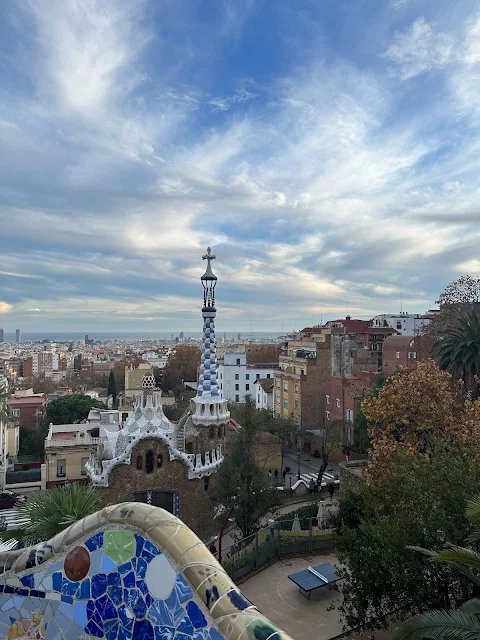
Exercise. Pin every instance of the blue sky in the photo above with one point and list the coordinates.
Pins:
(328, 150)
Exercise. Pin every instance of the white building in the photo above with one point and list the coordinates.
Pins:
(237, 378)
(407, 324)
(264, 393)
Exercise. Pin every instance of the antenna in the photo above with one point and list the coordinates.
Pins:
(401, 300)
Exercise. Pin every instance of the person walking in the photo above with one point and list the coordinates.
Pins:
(284, 475)
(312, 485)
(331, 489)
(270, 475)
(276, 474)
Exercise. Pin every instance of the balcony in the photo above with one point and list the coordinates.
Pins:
(73, 442)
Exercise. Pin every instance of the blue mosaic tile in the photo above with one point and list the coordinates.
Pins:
(114, 580)
(68, 599)
(141, 567)
(163, 631)
(126, 617)
(84, 591)
(151, 548)
(107, 564)
(183, 589)
(57, 581)
(70, 588)
(186, 627)
(95, 542)
(111, 628)
(116, 594)
(143, 630)
(129, 580)
(28, 581)
(139, 542)
(99, 585)
(125, 567)
(80, 613)
(196, 616)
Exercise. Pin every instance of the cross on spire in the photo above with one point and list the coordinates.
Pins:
(208, 256)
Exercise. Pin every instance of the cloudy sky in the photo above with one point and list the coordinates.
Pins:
(328, 150)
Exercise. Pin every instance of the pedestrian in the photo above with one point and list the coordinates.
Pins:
(331, 489)
(276, 474)
(284, 474)
(213, 548)
(312, 485)
(270, 474)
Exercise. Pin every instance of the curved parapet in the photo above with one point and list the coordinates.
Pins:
(130, 571)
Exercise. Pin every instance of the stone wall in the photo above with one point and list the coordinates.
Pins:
(351, 473)
(196, 508)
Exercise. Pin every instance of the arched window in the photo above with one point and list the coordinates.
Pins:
(159, 460)
(206, 482)
(149, 462)
(139, 463)
(219, 432)
(212, 433)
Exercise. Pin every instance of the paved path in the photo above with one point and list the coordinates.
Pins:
(280, 600)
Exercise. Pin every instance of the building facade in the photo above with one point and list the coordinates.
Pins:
(170, 464)
(304, 370)
(237, 376)
(264, 393)
(400, 353)
(406, 324)
(27, 408)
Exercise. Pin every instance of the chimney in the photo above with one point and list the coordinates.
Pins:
(348, 318)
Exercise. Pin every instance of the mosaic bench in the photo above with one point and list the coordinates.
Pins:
(130, 571)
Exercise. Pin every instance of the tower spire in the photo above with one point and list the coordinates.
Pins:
(208, 403)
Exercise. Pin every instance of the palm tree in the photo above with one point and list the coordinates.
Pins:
(46, 513)
(458, 351)
(464, 622)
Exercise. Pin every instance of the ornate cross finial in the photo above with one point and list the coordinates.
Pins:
(208, 256)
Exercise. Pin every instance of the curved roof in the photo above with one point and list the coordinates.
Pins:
(398, 341)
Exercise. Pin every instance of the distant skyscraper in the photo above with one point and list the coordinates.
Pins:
(86, 338)
(181, 335)
(18, 335)
(239, 337)
(1, 335)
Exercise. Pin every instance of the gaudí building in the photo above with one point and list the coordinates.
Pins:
(169, 464)
(133, 571)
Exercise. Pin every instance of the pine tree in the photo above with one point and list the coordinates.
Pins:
(112, 387)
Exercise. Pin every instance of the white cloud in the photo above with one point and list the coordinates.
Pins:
(421, 49)
(224, 104)
(5, 307)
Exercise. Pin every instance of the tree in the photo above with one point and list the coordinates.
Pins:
(157, 372)
(182, 365)
(463, 623)
(332, 438)
(422, 504)
(362, 442)
(416, 411)
(5, 411)
(458, 352)
(46, 513)
(239, 485)
(112, 387)
(465, 290)
(69, 409)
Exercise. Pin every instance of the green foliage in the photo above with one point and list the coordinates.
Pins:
(458, 351)
(32, 442)
(5, 411)
(49, 512)
(181, 367)
(239, 483)
(305, 512)
(157, 372)
(69, 409)
(462, 624)
(423, 504)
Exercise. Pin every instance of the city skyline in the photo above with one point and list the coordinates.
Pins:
(327, 153)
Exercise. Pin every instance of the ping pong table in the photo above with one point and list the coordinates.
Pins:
(314, 577)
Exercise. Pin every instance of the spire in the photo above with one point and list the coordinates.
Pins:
(208, 384)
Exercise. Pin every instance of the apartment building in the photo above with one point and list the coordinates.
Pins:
(236, 376)
(68, 447)
(343, 399)
(406, 324)
(27, 408)
(303, 371)
(264, 393)
(400, 353)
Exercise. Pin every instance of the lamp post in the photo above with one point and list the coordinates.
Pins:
(298, 464)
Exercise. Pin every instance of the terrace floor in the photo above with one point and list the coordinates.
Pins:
(279, 599)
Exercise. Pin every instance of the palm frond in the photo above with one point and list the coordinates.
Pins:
(442, 625)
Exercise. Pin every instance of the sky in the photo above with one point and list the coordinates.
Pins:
(327, 150)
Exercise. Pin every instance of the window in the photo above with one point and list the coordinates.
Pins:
(247, 387)
(412, 355)
(277, 399)
(139, 463)
(277, 384)
(159, 461)
(237, 376)
(149, 462)
(247, 376)
(285, 404)
(212, 433)
(327, 399)
(237, 398)
(268, 375)
(277, 413)
(257, 376)
(61, 468)
(285, 386)
(296, 387)
(296, 404)
(221, 387)
(16, 413)
(83, 471)
(328, 415)
(302, 372)
(399, 325)
(206, 482)
(237, 387)
(397, 355)
(221, 376)
(238, 362)
(219, 432)
(349, 415)
(338, 403)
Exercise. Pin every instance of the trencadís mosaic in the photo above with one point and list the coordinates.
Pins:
(118, 585)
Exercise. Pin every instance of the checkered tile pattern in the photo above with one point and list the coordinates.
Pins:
(208, 385)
